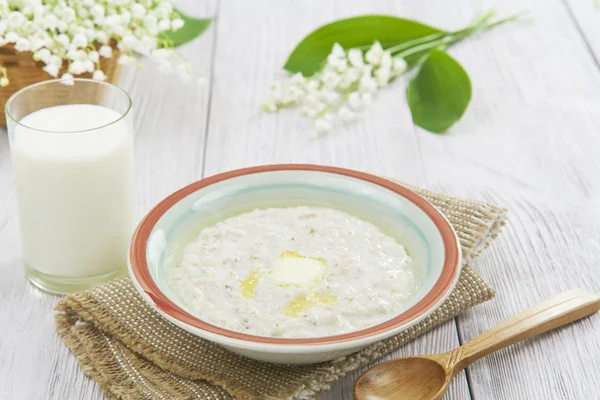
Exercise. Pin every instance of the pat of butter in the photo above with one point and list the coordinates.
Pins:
(294, 269)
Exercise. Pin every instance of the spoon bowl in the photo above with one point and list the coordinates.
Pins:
(412, 378)
(427, 377)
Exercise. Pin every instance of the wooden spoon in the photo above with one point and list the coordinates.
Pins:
(427, 377)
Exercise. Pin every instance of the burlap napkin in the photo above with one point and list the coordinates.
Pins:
(133, 353)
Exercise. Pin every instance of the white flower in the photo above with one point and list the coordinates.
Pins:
(62, 26)
(22, 45)
(101, 37)
(374, 54)
(177, 24)
(150, 23)
(399, 65)
(164, 25)
(129, 42)
(88, 66)
(16, 18)
(50, 21)
(138, 11)
(76, 55)
(93, 56)
(99, 75)
(43, 55)
(97, 10)
(77, 68)
(349, 78)
(83, 12)
(164, 54)
(112, 21)
(55, 60)
(346, 114)
(323, 125)
(292, 94)
(68, 14)
(3, 41)
(386, 60)
(126, 17)
(67, 79)
(311, 112)
(164, 10)
(367, 84)
(62, 39)
(126, 59)
(311, 100)
(330, 79)
(338, 51)
(298, 79)
(328, 96)
(51, 69)
(382, 76)
(80, 40)
(312, 85)
(4, 81)
(336, 63)
(105, 51)
(355, 102)
(269, 106)
(11, 37)
(355, 56)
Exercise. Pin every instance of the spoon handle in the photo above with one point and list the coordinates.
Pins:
(551, 313)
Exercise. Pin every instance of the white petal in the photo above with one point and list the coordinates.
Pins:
(356, 57)
(355, 102)
(386, 59)
(374, 54)
(99, 75)
(338, 51)
(177, 24)
(399, 65)
(323, 126)
(67, 79)
(382, 76)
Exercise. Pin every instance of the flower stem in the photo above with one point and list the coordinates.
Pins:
(446, 39)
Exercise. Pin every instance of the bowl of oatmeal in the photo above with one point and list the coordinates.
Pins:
(294, 263)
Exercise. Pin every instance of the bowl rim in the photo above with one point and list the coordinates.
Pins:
(142, 278)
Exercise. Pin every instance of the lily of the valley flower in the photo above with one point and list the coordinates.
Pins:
(342, 88)
(78, 33)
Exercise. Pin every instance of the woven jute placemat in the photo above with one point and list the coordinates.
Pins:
(133, 353)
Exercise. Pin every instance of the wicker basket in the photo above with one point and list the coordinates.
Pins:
(24, 71)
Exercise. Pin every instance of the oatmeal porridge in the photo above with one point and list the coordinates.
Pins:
(294, 272)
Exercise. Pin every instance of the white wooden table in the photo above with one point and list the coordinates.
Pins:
(529, 141)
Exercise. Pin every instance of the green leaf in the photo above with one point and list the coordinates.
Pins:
(310, 53)
(192, 28)
(439, 94)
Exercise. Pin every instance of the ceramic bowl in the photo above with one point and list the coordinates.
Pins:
(395, 209)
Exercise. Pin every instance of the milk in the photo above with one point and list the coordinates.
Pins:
(74, 189)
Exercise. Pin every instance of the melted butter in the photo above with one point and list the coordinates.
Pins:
(248, 285)
(303, 302)
(294, 254)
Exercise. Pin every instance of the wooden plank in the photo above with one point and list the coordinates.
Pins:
(248, 59)
(529, 142)
(170, 118)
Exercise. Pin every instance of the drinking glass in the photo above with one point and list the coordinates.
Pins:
(72, 154)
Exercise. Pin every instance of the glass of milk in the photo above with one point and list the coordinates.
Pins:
(72, 155)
